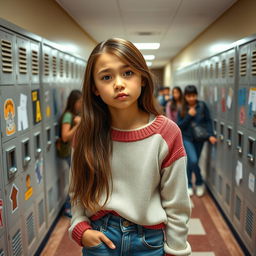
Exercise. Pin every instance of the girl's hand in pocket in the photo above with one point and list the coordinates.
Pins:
(93, 238)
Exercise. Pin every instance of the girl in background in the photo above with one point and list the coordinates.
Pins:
(194, 111)
(128, 179)
(174, 104)
(69, 122)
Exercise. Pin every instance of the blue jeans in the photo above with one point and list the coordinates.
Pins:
(193, 150)
(130, 239)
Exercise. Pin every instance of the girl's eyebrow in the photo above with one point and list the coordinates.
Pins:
(104, 70)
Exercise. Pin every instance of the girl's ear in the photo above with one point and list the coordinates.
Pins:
(95, 91)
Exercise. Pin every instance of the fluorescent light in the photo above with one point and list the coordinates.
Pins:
(149, 63)
(147, 46)
(149, 57)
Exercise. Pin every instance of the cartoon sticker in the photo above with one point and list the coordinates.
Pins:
(29, 191)
(37, 115)
(1, 213)
(39, 170)
(9, 114)
(14, 197)
(242, 97)
(242, 116)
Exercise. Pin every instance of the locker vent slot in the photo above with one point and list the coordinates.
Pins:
(243, 64)
(227, 194)
(1, 252)
(249, 222)
(211, 71)
(17, 244)
(54, 66)
(231, 67)
(66, 68)
(35, 65)
(6, 48)
(216, 69)
(238, 208)
(205, 72)
(254, 63)
(220, 185)
(72, 69)
(61, 68)
(41, 212)
(46, 64)
(30, 228)
(51, 200)
(22, 60)
(223, 69)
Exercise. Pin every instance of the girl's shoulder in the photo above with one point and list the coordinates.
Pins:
(168, 126)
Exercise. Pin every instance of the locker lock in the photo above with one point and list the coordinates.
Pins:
(49, 143)
(221, 137)
(27, 159)
(38, 152)
(12, 171)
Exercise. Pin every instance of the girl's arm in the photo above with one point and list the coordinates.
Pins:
(183, 122)
(67, 132)
(175, 199)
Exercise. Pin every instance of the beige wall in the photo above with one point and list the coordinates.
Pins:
(48, 20)
(236, 23)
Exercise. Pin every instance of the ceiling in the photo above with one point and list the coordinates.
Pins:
(172, 23)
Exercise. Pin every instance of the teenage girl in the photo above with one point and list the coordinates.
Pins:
(128, 182)
(69, 122)
(174, 104)
(194, 111)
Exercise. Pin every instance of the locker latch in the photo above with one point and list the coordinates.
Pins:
(251, 149)
(229, 139)
(240, 142)
(221, 132)
(11, 162)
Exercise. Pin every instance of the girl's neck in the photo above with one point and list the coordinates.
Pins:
(127, 119)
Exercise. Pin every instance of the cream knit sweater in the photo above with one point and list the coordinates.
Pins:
(149, 183)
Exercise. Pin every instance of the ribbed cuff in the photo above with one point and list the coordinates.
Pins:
(78, 231)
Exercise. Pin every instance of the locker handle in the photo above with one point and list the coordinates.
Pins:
(38, 151)
(239, 148)
(27, 159)
(49, 143)
(229, 142)
(221, 137)
(250, 157)
(13, 170)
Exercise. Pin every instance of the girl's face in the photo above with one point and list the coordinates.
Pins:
(176, 94)
(78, 106)
(118, 84)
(191, 99)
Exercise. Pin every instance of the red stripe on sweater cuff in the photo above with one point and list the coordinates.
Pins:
(78, 231)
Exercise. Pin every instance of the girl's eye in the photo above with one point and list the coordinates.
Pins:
(106, 78)
(128, 73)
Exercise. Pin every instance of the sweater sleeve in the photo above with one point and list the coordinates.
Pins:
(79, 222)
(175, 198)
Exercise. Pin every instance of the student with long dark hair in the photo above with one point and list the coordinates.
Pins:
(69, 122)
(194, 113)
(174, 104)
(128, 183)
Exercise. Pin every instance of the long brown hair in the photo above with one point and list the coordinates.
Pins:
(91, 172)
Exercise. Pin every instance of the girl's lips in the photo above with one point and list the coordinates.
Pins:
(121, 96)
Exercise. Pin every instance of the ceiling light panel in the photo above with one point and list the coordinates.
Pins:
(147, 46)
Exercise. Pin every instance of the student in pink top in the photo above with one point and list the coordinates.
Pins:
(128, 175)
(174, 104)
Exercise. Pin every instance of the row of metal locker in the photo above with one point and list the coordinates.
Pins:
(35, 80)
(227, 82)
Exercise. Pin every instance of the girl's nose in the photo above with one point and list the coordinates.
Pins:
(118, 83)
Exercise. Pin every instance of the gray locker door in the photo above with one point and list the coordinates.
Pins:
(23, 60)
(16, 240)
(3, 247)
(7, 58)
